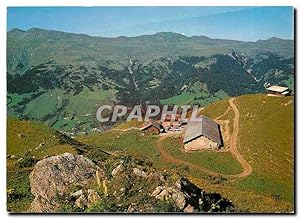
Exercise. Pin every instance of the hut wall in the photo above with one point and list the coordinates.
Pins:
(201, 143)
(152, 130)
(275, 93)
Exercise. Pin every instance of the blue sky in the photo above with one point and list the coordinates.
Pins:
(239, 23)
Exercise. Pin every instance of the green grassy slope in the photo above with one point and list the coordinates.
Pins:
(221, 162)
(27, 142)
(24, 136)
(266, 140)
(130, 142)
(197, 93)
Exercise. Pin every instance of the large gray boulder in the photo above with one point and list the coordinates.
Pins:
(52, 178)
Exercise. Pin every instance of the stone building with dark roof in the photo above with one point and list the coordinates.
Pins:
(202, 134)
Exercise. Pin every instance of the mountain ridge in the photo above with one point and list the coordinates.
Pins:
(36, 46)
(36, 29)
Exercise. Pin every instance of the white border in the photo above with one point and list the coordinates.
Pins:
(5, 3)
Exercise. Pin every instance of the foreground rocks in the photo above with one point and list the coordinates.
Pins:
(120, 185)
(189, 198)
(117, 170)
(52, 178)
(139, 173)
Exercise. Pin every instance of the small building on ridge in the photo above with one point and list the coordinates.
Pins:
(278, 90)
(153, 127)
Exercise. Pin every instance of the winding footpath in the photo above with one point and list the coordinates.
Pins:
(247, 169)
(233, 142)
(122, 130)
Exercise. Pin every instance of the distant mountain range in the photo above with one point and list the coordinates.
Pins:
(36, 46)
(60, 78)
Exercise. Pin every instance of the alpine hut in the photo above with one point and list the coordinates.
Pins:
(153, 127)
(278, 91)
(202, 134)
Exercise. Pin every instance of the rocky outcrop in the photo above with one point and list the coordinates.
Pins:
(77, 194)
(189, 198)
(142, 189)
(117, 170)
(179, 199)
(52, 178)
(92, 197)
(84, 199)
(81, 202)
(139, 173)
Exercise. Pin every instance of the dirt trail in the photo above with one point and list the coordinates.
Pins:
(223, 114)
(122, 130)
(233, 142)
(125, 130)
(233, 149)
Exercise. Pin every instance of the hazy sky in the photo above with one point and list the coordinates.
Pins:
(240, 23)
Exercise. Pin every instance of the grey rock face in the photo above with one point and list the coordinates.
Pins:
(189, 209)
(162, 193)
(139, 173)
(117, 170)
(92, 197)
(81, 202)
(157, 191)
(189, 198)
(52, 178)
(77, 194)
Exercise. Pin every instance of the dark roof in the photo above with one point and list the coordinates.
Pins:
(154, 124)
(204, 127)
